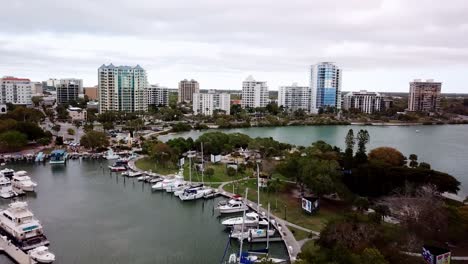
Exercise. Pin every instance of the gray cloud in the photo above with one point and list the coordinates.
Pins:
(171, 38)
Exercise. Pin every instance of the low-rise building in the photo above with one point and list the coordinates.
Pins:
(92, 105)
(77, 114)
(366, 102)
(206, 103)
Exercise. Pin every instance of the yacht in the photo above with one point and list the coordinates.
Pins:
(250, 219)
(6, 189)
(23, 183)
(234, 205)
(58, 156)
(42, 255)
(8, 173)
(20, 226)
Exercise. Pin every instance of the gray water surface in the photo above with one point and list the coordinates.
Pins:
(91, 216)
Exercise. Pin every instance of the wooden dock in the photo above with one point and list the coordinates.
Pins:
(279, 224)
(15, 253)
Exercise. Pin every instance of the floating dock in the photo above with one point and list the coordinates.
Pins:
(15, 253)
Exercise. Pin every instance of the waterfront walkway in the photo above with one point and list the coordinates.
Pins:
(293, 246)
(15, 253)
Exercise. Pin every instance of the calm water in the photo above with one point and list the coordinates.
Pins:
(91, 216)
(444, 147)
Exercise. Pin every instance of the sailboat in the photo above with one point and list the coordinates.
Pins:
(197, 192)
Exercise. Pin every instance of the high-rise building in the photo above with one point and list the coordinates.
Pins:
(254, 93)
(52, 82)
(206, 103)
(187, 89)
(424, 96)
(78, 82)
(325, 86)
(67, 91)
(294, 97)
(203, 104)
(15, 90)
(91, 92)
(366, 102)
(122, 88)
(158, 96)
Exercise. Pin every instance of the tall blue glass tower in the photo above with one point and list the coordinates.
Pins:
(325, 86)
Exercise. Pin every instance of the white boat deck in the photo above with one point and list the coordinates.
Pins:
(15, 253)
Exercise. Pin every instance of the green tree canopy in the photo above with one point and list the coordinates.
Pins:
(388, 155)
(94, 140)
(12, 140)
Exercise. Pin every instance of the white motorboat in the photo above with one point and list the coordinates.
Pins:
(23, 183)
(6, 188)
(252, 233)
(111, 155)
(143, 178)
(251, 219)
(176, 186)
(160, 185)
(42, 255)
(21, 173)
(21, 227)
(235, 205)
(155, 180)
(132, 174)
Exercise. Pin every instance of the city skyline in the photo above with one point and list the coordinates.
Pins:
(385, 43)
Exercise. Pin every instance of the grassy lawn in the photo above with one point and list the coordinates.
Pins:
(147, 164)
(299, 234)
(219, 175)
(286, 206)
(310, 246)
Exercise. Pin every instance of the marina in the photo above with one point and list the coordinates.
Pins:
(105, 212)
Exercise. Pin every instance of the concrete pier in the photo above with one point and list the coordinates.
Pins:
(15, 253)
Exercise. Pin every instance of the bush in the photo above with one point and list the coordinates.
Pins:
(231, 171)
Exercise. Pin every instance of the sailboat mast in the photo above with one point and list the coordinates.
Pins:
(202, 164)
(268, 227)
(258, 189)
(190, 168)
(243, 223)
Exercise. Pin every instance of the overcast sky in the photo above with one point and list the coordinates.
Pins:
(381, 45)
